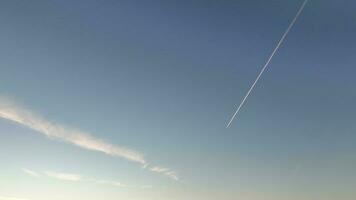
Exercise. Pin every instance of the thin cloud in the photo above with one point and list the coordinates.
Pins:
(165, 171)
(112, 183)
(30, 172)
(63, 176)
(12, 112)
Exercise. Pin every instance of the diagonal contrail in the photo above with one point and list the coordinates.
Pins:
(268, 61)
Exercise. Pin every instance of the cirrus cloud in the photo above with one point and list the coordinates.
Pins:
(15, 113)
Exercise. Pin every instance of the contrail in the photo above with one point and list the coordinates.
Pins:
(268, 61)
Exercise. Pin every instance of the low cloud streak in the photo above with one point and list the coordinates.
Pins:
(15, 113)
(71, 177)
(63, 176)
(165, 171)
(12, 112)
(30, 172)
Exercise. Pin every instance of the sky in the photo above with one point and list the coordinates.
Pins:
(130, 99)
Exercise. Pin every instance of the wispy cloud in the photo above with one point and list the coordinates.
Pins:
(12, 112)
(167, 172)
(15, 113)
(61, 176)
(12, 198)
(30, 172)
(112, 183)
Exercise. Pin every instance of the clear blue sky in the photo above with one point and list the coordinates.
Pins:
(162, 78)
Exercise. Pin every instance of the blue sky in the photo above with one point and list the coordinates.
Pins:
(148, 88)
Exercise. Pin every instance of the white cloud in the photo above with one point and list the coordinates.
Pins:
(77, 178)
(30, 172)
(12, 112)
(63, 176)
(112, 183)
(165, 171)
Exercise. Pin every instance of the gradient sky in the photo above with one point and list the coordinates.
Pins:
(162, 78)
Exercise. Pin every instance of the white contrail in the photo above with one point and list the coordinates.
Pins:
(268, 61)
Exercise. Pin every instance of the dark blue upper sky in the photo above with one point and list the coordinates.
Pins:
(163, 78)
